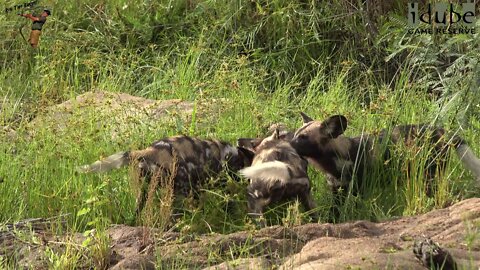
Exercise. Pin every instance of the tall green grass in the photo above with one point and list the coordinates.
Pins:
(245, 66)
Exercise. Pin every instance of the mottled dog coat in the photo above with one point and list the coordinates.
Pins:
(343, 158)
(190, 161)
(277, 173)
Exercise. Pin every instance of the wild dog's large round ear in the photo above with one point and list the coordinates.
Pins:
(247, 153)
(335, 125)
(306, 118)
(286, 136)
(276, 134)
(248, 143)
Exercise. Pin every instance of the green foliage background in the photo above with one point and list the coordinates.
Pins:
(266, 59)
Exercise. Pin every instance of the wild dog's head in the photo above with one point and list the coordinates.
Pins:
(314, 136)
(277, 131)
(261, 193)
(236, 158)
(267, 178)
(252, 147)
(268, 142)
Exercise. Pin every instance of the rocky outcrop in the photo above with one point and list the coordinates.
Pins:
(115, 113)
(353, 245)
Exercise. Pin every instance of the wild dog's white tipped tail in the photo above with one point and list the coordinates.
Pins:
(268, 171)
(114, 161)
(470, 160)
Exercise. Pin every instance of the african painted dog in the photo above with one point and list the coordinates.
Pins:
(277, 173)
(343, 158)
(190, 161)
(250, 143)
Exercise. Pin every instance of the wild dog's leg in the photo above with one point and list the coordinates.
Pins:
(144, 177)
(309, 204)
(339, 195)
(141, 199)
(301, 188)
(142, 195)
(437, 163)
(149, 171)
(430, 185)
(334, 214)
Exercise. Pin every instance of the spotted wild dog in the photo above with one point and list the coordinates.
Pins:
(191, 161)
(342, 158)
(251, 143)
(277, 174)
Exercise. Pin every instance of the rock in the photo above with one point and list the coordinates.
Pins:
(352, 245)
(389, 244)
(135, 262)
(242, 264)
(117, 113)
(10, 118)
(130, 241)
